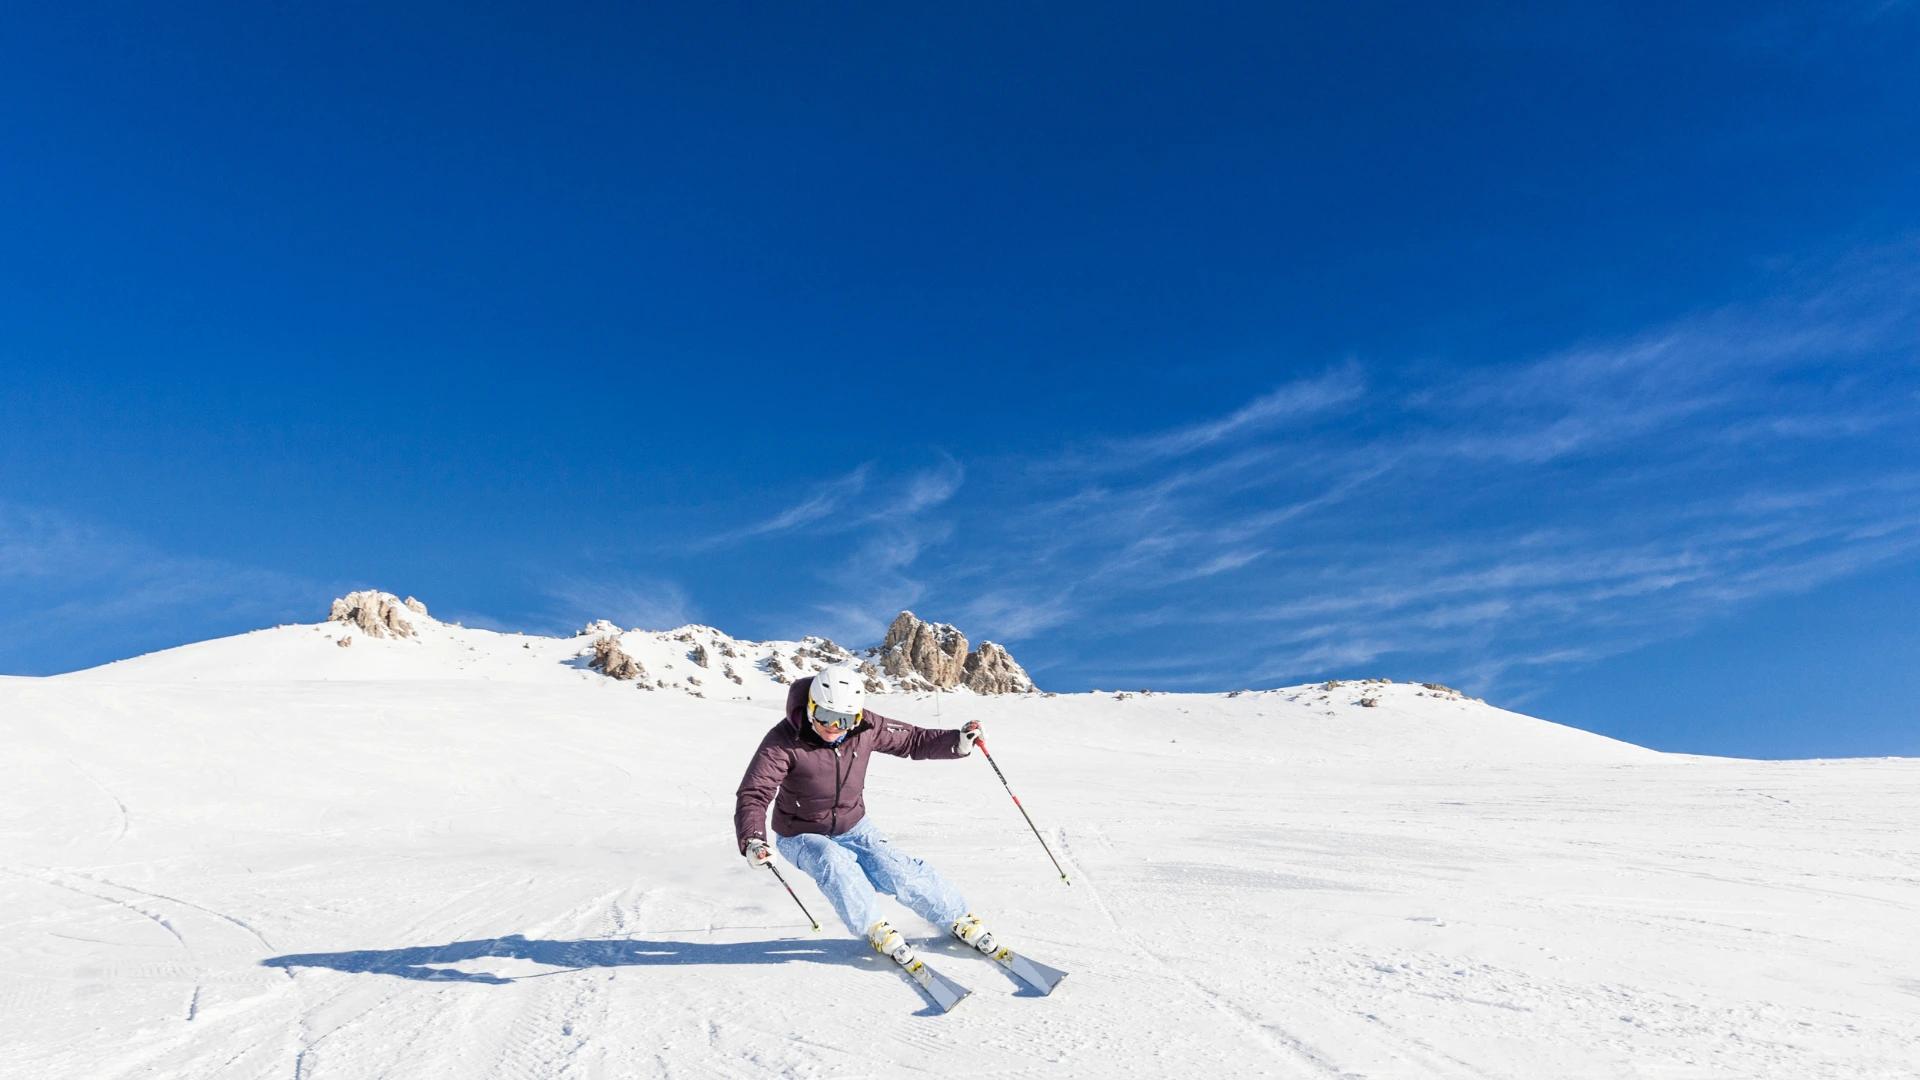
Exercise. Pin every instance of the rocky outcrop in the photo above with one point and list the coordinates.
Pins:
(611, 660)
(934, 656)
(377, 614)
(823, 650)
(990, 669)
(924, 655)
(778, 670)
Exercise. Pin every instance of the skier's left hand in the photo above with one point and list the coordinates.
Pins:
(970, 736)
(757, 854)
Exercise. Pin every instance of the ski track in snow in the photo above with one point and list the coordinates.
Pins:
(126, 819)
(458, 857)
(1295, 1053)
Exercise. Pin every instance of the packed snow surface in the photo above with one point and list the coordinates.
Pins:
(463, 855)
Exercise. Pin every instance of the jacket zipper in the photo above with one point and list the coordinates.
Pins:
(833, 820)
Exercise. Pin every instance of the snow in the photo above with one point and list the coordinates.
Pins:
(464, 855)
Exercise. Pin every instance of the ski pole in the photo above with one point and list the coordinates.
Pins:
(982, 744)
(795, 895)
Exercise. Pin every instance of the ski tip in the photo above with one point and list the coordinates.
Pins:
(1036, 976)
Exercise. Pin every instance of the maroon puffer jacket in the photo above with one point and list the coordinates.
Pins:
(821, 788)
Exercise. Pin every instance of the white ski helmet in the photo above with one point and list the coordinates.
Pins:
(837, 698)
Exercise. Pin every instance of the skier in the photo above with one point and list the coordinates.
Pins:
(812, 768)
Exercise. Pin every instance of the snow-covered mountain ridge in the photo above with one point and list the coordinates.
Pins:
(375, 635)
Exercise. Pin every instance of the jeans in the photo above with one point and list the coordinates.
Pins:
(850, 867)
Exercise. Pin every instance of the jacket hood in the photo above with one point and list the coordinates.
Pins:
(797, 704)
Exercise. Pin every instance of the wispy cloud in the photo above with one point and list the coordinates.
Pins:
(924, 490)
(1487, 521)
(629, 602)
(852, 502)
(1498, 520)
(879, 574)
(859, 539)
(73, 595)
(1293, 401)
(819, 505)
(1014, 616)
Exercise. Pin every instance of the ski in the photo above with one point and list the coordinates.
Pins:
(1032, 972)
(944, 991)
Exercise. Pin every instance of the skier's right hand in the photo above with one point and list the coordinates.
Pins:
(970, 736)
(758, 855)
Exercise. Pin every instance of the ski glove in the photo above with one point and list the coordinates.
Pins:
(970, 736)
(759, 856)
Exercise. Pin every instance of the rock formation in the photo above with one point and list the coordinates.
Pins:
(377, 614)
(822, 649)
(611, 660)
(934, 656)
(990, 669)
(778, 670)
(930, 656)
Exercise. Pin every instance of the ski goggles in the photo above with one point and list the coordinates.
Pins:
(831, 719)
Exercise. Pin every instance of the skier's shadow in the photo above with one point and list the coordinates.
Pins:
(419, 962)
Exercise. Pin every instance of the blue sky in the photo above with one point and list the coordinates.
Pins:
(1567, 356)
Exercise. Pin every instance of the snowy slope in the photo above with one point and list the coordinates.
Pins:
(259, 857)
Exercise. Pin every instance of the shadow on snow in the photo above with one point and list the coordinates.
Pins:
(417, 963)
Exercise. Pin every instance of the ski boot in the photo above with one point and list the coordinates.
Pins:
(970, 929)
(887, 942)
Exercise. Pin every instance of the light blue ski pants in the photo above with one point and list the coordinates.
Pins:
(850, 867)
